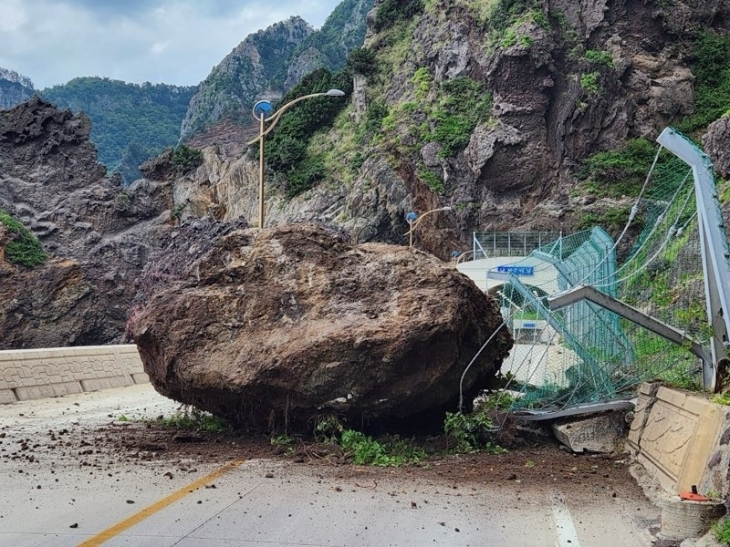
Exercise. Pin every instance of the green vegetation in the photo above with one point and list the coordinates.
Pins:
(619, 172)
(422, 81)
(186, 159)
(590, 83)
(432, 180)
(391, 451)
(24, 248)
(193, 419)
(721, 529)
(362, 61)
(367, 451)
(721, 399)
(471, 432)
(391, 12)
(129, 121)
(599, 57)
(463, 104)
(611, 219)
(711, 69)
(287, 148)
(339, 35)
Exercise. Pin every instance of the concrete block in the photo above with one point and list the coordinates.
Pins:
(66, 388)
(140, 378)
(674, 398)
(36, 392)
(696, 406)
(7, 396)
(96, 384)
(701, 446)
(646, 389)
(594, 434)
(667, 435)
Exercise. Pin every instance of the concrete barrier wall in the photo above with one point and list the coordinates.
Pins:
(38, 373)
(681, 439)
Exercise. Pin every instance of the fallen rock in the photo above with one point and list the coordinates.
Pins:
(594, 434)
(275, 327)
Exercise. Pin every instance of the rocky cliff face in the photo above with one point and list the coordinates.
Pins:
(490, 110)
(265, 66)
(97, 234)
(245, 75)
(14, 88)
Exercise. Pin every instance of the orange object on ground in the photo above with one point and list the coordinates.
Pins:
(691, 496)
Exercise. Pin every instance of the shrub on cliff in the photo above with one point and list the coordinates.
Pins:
(23, 248)
(186, 159)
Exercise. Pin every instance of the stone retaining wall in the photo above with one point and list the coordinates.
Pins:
(38, 373)
(682, 440)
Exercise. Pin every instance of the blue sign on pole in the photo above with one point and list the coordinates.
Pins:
(517, 270)
(262, 108)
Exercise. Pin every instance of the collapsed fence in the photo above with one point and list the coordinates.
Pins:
(593, 317)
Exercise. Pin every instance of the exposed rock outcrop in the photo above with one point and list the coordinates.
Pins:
(566, 80)
(266, 65)
(101, 233)
(717, 145)
(272, 327)
(54, 305)
(244, 76)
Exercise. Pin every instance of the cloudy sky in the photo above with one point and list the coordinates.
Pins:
(159, 41)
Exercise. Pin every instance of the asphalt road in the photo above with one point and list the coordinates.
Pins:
(62, 502)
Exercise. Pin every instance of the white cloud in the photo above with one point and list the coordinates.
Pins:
(169, 41)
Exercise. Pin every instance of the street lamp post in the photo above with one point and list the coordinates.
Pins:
(459, 256)
(414, 220)
(263, 111)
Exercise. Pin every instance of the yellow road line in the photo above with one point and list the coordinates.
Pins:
(155, 507)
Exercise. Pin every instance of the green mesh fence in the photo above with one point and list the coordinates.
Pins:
(585, 353)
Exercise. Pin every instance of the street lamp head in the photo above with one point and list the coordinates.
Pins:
(335, 93)
(447, 208)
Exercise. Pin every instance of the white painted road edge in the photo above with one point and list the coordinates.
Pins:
(564, 527)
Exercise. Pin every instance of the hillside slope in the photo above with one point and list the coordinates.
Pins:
(266, 65)
(492, 109)
(130, 122)
(14, 88)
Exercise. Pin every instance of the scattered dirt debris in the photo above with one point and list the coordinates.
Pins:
(538, 462)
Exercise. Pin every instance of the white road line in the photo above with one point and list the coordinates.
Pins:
(567, 535)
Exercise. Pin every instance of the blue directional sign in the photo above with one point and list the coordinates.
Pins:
(411, 217)
(262, 108)
(517, 270)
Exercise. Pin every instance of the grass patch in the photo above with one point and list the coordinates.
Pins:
(590, 83)
(599, 57)
(192, 419)
(367, 451)
(721, 529)
(24, 248)
(711, 69)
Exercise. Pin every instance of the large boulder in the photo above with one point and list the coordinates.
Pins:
(271, 328)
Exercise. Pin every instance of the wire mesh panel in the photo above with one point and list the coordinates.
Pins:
(584, 352)
(494, 244)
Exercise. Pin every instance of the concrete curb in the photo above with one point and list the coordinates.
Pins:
(39, 373)
(678, 438)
